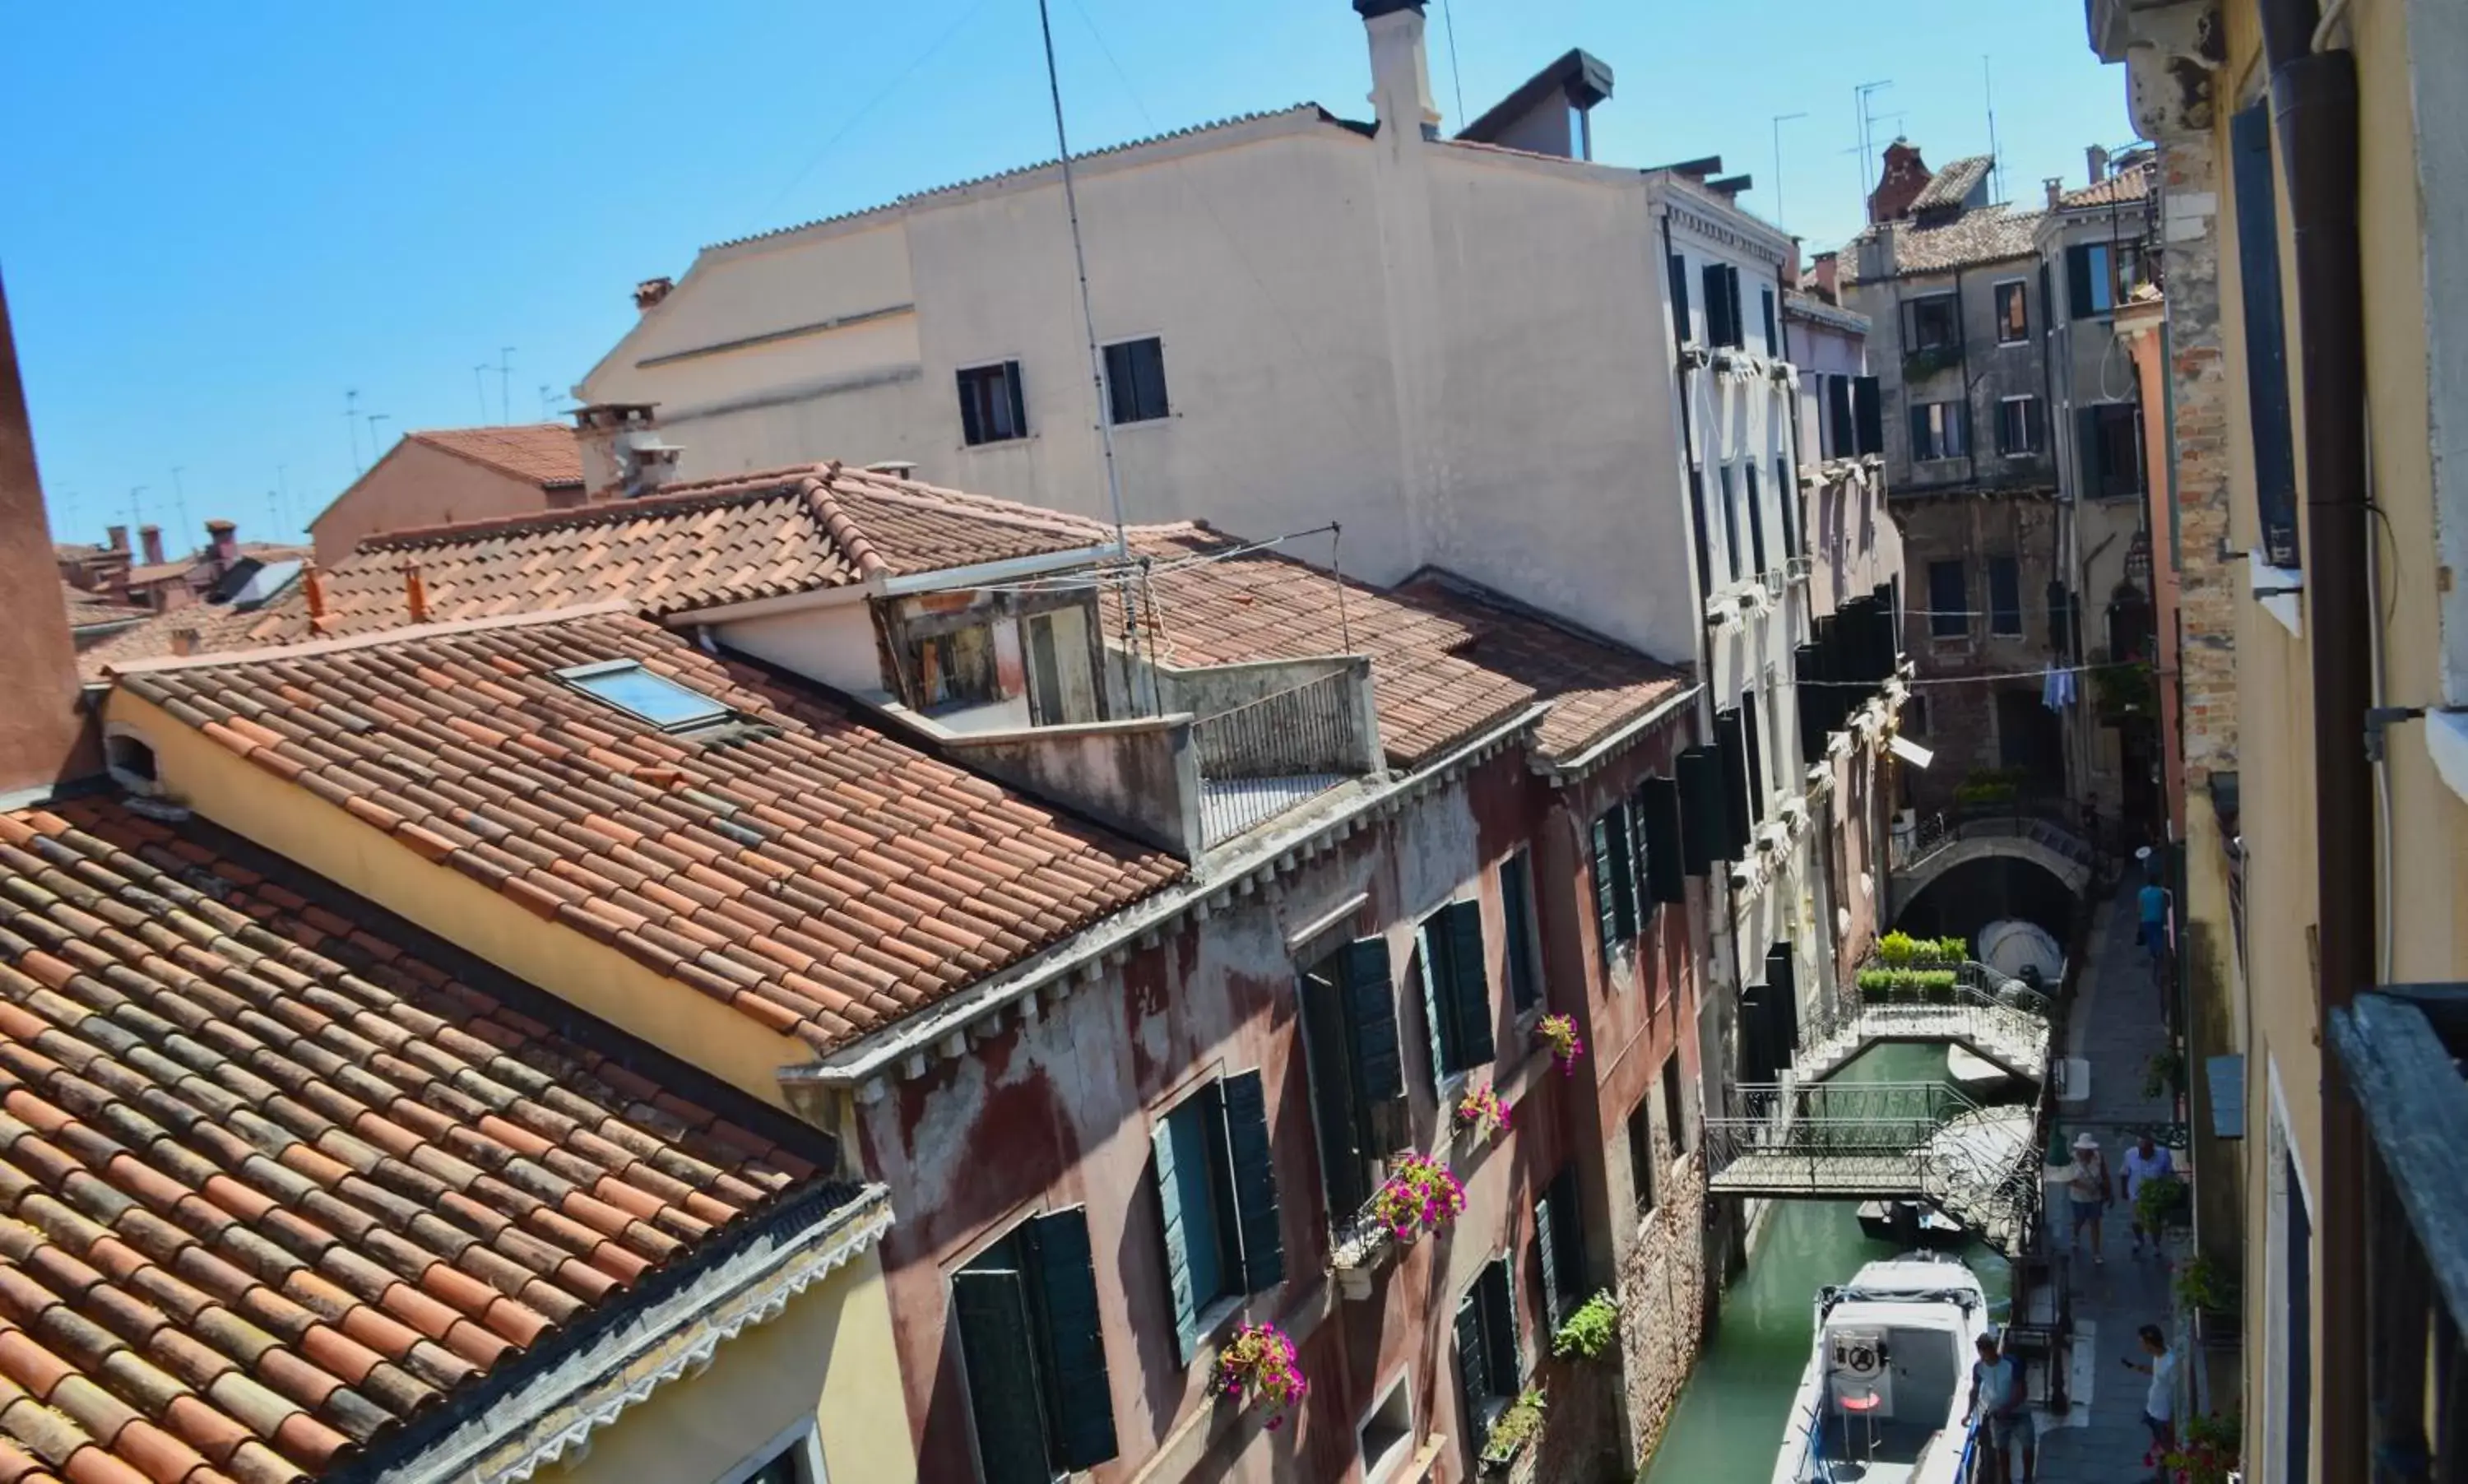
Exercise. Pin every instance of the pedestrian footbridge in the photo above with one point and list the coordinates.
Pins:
(1946, 843)
(2001, 1020)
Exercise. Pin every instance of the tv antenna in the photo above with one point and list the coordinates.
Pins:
(352, 419)
(1779, 119)
(481, 388)
(505, 382)
(1867, 143)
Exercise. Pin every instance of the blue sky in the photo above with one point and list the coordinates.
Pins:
(219, 218)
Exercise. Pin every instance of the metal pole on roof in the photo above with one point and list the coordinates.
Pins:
(1088, 324)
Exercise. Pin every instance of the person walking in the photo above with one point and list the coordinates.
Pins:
(2145, 1161)
(2151, 903)
(2088, 1193)
(1998, 1393)
(2160, 1406)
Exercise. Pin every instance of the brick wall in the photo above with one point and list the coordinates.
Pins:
(2198, 389)
(1665, 1294)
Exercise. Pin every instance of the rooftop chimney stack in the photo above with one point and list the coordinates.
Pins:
(45, 735)
(1401, 68)
(651, 291)
(2056, 187)
(313, 582)
(624, 457)
(119, 538)
(185, 640)
(2097, 155)
(151, 538)
(223, 542)
(415, 593)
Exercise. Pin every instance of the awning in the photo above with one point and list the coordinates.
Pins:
(1910, 751)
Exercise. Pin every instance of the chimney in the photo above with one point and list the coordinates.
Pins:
(1401, 69)
(2056, 187)
(45, 735)
(1904, 175)
(223, 542)
(183, 641)
(1829, 277)
(151, 538)
(415, 593)
(623, 456)
(2098, 158)
(119, 538)
(651, 291)
(313, 582)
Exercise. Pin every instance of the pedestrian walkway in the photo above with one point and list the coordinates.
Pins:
(2115, 1027)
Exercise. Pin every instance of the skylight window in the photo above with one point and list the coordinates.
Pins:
(627, 686)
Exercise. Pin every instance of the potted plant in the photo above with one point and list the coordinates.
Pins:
(2160, 1203)
(1589, 1330)
(1481, 1114)
(1420, 1194)
(1258, 1366)
(2207, 1455)
(1514, 1428)
(2206, 1287)
(1560, 1034)
(2161, 1073)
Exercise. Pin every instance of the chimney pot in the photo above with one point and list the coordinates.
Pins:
(183, 641)
(651, 291)
(415, 594)
(2056, 187)
(223, 538)
(151, 538)
(119, 538)
(2097, 155)
(1401, 67)
(623, 456)
(312, 582)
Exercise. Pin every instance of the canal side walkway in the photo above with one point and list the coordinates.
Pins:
(2115, 1027)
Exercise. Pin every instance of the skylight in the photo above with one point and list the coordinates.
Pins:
(624, 684)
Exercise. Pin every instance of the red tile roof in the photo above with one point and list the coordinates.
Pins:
(539, 453)
(822, 876)
(1447, 659)
(90, 611)
(278, 1175)
(2130, 182)
(692, 546)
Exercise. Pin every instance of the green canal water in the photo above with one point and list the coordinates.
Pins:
(1729, 1421)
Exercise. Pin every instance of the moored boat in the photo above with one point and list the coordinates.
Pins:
(1888, 1377)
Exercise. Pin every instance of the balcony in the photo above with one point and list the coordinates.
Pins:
(2401, 1051)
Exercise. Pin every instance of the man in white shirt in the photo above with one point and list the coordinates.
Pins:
(1997, 1392)
(2145, 1160)
(2159, 1403)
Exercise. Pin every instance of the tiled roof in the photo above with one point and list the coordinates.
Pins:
(1992, 234)
(692, 546)
(89, 610)
(820, 874)
(540, 453)
(2129, 182)
(275, 1179)
(1949, 186)
(216, 628)
(1446, 658)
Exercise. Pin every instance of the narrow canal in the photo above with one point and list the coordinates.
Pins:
(1730, 1418)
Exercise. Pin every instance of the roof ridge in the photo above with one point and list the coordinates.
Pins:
(964, 502)
(840, 527)
(376, 638)
(719, 491)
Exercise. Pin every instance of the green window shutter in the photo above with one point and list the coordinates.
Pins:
(2078, 280)
(1641, 861)
(1568, 1240)
(1783, 1001)
(1605, 900)
(1702, 827)
(992, 1308)
(1438, 1020)
(1665, 878)
(1177, 1249)
(1371, 1018)
(1498, 1290)
(1678, 267)
(1516, 908)
(1080, 1398)
(1469, 973)
(1249, 1156)
(1869, 411)
(1623, 848)
(1547, 1252)
(1473, 1365)
(1731, 741)
(1345, 1147)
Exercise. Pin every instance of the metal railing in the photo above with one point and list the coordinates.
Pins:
(2048, 824)
(1265, 756)
(1987, 1009)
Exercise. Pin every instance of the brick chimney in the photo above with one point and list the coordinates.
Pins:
(623, 456)
(119, 538)
(222, 543)
(1401, 67)
(151, 538)
(2056, 187)
(651, 291)
(1829, 277)
(46, 735)
(1906, 175)
(2097, 157)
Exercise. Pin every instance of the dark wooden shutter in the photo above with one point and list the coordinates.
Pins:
(1122, 396)
(1546, 1255)
(1923, 441)
(1869, 408)
(2266, 332)
(971, 430)
(1837, 408)
(1782, 1002)
(1787, 500)
(1178, 1246)
(1474, 1365)
(1657, 802)
(1080, 1400)
(1345, 1148)
(1498, 1291)
(1678, 267)
(1704, 540)
(1439, 1017)
(2078, 280)
(1148, 378)
(1371, 1017)
(1469, 967)
(2034, 427)
(1808, 678)
(1773, 334)
(1752, 734)
(1566, 1242)
(1703, 827)
(997, 1347)
(1738, 317)
(1253, 1163)
(1734, 746)
(1715, 304)
(1756, 519)
(1018, 424)
(1605, 895)
(1516, 908)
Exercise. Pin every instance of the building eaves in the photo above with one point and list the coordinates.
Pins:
(1808, 307)
(1575, 74)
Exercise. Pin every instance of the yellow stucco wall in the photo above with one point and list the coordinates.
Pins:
(297, 825)
(827, 1356)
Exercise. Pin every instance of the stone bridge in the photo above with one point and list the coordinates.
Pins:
(1943, 845)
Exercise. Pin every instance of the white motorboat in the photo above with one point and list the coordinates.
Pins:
(1882, 1399)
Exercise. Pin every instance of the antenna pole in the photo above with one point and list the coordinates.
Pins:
(1088, 323)
(480, 388)
(506, 381)
(352, 421)
(1779, 119)
(1996, 161)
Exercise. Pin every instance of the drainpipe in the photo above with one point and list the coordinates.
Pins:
(2314, 108)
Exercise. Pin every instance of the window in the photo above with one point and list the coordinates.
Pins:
(1387, 1439)
(1933, 322)
(1730, 525)
(1522, 951)
(2109, 449)
(2100, 276)
(1705, 538)
(1349, 1014)
(129, 758)
(2013, 314)
(1949, 605)
(1033, 1354)
(1136, 380)
(1457, 989)
(1560, 1247)
(1773, 335)
(991, 408)
(793, 1457)
(1787, 502)
(1677, 263)
(648, 697)
(1673, 1118)
(1217, 1202)
(1937, 430)
(1756, 521)
(2004, 597)
(2265, 341)
(1723, 325)
(1841, 430)
(1489, 1368)
(1615, 877)
(1659, 871)
(1916, 717)
(955, 668)
(1642, 1162)
(2017, 426)
(1869, 414)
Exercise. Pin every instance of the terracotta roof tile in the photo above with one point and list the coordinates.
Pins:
(893, 931)
(1446, 658)
(203, 1275)
(540, 453)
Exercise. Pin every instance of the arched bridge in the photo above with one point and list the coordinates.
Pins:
(1948, 842)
